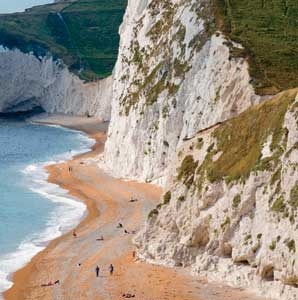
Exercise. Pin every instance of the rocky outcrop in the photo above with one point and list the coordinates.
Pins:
(27, 81)
(231, 204)
(175, 75)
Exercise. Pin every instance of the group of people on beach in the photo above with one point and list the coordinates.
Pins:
(111, 270)
(101, 238)
(120, 225)
(111, 267)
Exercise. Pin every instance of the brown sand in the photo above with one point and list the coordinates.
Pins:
(107, 200)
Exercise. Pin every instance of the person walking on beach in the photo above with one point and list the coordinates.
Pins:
(111, 269)
(97, 271)
(120, 225)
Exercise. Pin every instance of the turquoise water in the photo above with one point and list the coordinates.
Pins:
(32, 211)
(10, 6)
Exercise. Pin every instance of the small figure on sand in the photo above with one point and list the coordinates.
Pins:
(74, 234)
(70, 169)
(111, 268)
(50, 283)
(97, 271)
(119, 225)
(128, 295)
(126, 232)
(133, 200)
(134, 253)
(100, 239)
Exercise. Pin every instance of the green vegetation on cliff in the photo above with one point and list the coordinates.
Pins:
(241, 139)
(237, 145)
(268, 29)
(83, 33)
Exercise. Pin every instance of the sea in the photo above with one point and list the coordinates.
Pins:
(11, 6)
(33, 211)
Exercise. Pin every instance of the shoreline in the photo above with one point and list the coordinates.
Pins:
(18, 276)
(72, 260)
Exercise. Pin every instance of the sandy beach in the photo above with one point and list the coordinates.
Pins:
(72, 260)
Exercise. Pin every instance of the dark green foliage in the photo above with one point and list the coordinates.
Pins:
(167, 197)
(181, 198)
(236, 201)
(187, 170)
(272, 246)
(225, 224)
(268, 30)
(166, 144)
(279, 205)
(200, 143)
(153, 213)
(84, 34)
(291, 245)
(294, 197)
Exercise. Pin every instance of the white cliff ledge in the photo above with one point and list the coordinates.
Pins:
(175, 82)
(231, 206)
(26, 81)
(173, 78)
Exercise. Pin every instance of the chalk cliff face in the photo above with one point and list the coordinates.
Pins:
(231, 205)
(174, 76)
(26, 81)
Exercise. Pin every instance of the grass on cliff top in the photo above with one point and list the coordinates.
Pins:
(268, 29)
(241, 139)
(240, 142)
(86, 37)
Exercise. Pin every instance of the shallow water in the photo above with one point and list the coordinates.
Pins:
(10, 6)
(32, 211)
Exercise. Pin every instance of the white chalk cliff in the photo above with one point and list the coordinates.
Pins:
(231, 205)
(227, 212)
(174, 76)
(27, 81)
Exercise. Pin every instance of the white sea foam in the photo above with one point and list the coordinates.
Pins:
(67, 214)
(3, 49)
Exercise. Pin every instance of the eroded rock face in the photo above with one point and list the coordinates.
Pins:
(174, 76)
(28, 81)
(231, 205)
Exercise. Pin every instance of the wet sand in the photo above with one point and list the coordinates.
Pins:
(107, 200)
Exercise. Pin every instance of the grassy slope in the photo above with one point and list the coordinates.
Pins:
(241, 139)
(269, 31)
(240, 142)
(87, 42)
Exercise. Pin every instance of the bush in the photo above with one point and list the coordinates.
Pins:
(167, 197)
(153, 213)
(291, 245)
(236, 201)
(279, 205)
(187, 170)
